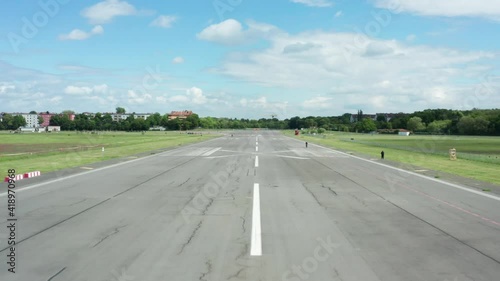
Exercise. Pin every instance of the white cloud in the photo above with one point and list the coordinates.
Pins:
(164, 21)
(318, 102)
(178, 60)
(314, 3)
(227, 32)
(358, 75)
(76, 90)
(231, 32)
(338, 14)
(136, 99)
(4, 87)
(77, 34)
(105, 11)
(448, 8)
(262, 103)
(411, 37)
(196, 95)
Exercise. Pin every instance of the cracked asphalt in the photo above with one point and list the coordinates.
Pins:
(186, 214)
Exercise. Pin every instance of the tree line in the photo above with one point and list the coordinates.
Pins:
(430, 121)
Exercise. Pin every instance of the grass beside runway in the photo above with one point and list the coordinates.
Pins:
(47, 152)
(478, 157)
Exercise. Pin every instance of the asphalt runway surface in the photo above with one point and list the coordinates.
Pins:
(253, 206)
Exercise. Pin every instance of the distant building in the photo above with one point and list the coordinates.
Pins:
(374, 117)
(47, 115)
(53, 129)
(31, 119)
(27, 129)
(117, 117)
(403, 132)
(180, 114)
(46, 118)
(354, 117)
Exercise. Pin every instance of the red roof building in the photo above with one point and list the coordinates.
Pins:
(180, 114)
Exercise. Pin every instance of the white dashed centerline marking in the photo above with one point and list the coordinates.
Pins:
(256, 249)
(256, 148)
(256, 161)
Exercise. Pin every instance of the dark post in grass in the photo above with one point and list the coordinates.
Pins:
(382, 154)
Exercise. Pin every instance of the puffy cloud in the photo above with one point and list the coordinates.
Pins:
(298, 47)
(318, 102)
(361, 72)
(135, 98)
(314, 3)
(448, 8)
(231, 32)
(77, 34)
(196, 95)
(76, 90)
(178, 60)
(105, 11)
(164, 21)
(4, 87)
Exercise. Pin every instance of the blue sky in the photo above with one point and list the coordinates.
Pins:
(249, 59)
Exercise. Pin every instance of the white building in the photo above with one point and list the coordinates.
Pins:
(31, 119)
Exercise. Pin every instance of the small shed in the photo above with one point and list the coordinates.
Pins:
(403, 132)
(53, 129)
(26, 129)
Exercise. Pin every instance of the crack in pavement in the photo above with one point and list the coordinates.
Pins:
(117, 229)
(244, 251)
(314, 196)
(81, 201)
(236, 275)
(204, 213)
(209, 270)
(184, 182)
(243, 224)
(54, 276)
(190, 237)
(329, 188)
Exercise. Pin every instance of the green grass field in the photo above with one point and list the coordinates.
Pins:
(47, 152)
(478, 157)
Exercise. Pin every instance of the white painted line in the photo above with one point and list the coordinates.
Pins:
(293, 157)
(257, 143)
(210, 152)
(256, 249)
(100, 169)
(256, 161)
(256, 148)
(412, 173)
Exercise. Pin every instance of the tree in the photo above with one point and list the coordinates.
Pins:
(366, 126)
(194, 121)
(473, 126)
(33, 112)
(120, 110)
(439, 126)
(40, 120)
(18, 121)
(415, 124)
(68, 112)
